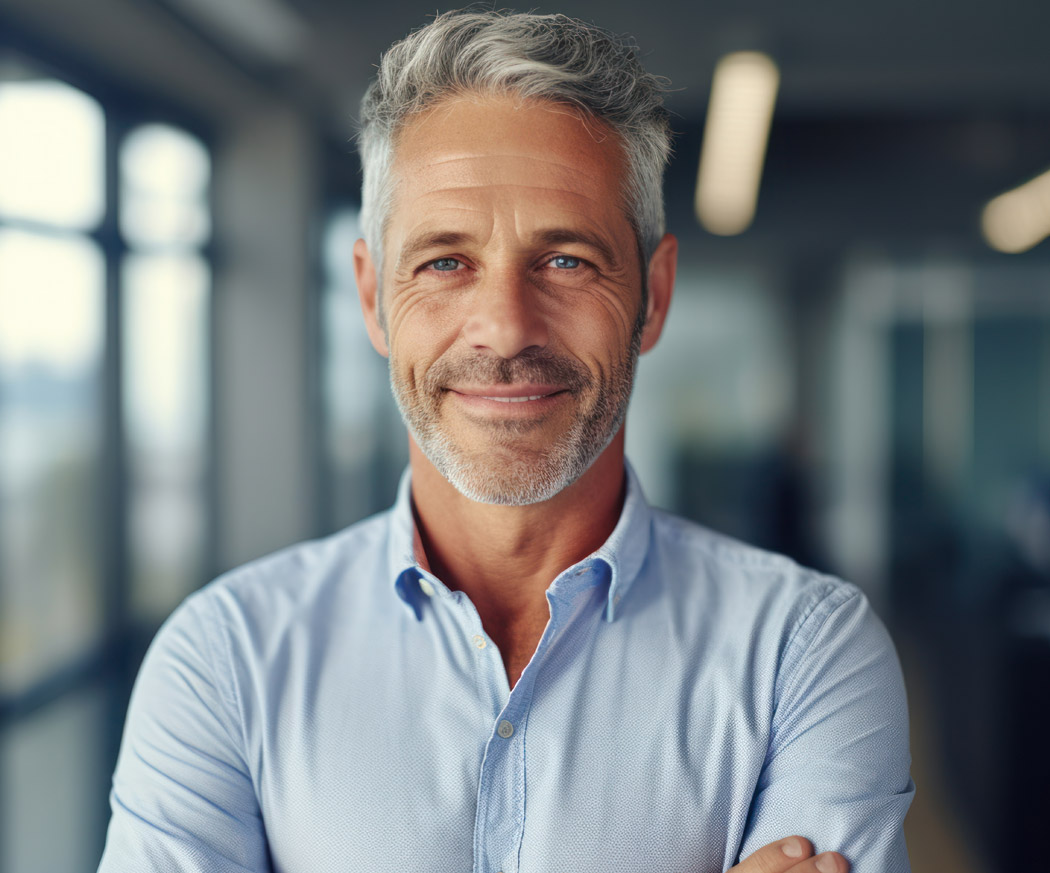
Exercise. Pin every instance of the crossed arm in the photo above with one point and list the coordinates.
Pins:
(791, 855)
(854, 801)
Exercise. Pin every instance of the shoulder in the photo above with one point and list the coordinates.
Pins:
(757, 603)
(725, 572)
(297, 584)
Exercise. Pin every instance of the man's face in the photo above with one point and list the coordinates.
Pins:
(512, 296)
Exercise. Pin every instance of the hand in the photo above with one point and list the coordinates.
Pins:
(791, 855)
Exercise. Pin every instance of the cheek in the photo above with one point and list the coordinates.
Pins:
(420, 308)
(419, 331)
(599, 332)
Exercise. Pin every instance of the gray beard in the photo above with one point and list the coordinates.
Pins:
(505, 474)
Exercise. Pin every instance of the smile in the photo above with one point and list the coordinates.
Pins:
(521, 392)
(515, 399)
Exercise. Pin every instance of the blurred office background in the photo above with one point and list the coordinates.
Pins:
(858, 375)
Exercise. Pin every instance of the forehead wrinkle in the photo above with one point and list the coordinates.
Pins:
(501, 187)
(548, 231)
(450, 207)
(495, 156)
(433, 219)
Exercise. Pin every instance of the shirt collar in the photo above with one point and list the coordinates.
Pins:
(627, 546)
(623, 553)
(401, 547)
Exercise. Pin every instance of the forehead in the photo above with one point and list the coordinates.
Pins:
(473, 152)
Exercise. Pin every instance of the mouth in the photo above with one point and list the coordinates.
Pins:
(507, 399)
(521, 399)
(508, 393)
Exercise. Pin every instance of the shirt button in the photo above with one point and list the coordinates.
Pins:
(505, 729)
(479, 641)
(426, 587)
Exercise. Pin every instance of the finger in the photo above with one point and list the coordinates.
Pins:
(778, 857)
(826, 862)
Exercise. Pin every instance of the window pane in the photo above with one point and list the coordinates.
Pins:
(51, 325)
(52, 154)
(365, 441)
(53, 799)
(164, 188)
(165, 403)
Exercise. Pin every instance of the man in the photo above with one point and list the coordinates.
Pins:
(521, 666)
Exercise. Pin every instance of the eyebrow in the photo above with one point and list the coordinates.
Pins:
(560, 236)
(557, 236)
(441, 239)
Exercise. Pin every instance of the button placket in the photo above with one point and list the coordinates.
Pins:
(500, 814)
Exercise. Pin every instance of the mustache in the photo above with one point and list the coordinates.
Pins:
(530, 365)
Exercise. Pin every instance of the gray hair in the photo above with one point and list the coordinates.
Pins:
(547, 57)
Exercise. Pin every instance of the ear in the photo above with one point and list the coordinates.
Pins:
(368, 292)
(662, 266)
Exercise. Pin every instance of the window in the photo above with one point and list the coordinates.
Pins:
(105, 511)
(52, 317)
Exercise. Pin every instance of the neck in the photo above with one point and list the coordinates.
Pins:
(505, 557)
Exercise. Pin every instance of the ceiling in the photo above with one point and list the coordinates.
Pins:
(895, 120)
(836, 58)
(898, 118)
(891, 58)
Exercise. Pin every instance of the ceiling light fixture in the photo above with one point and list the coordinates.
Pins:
(739, 115)
(1019, 220)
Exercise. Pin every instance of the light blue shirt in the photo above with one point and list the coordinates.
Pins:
(334, 707)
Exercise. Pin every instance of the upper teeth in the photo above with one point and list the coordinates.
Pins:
(516, 399)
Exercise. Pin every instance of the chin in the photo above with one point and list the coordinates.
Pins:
(499, 489)
(503, 477)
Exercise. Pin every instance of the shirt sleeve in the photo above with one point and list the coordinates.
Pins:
(183, 799)
(837, 769)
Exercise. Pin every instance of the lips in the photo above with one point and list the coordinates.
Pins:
(516, 401)
(512, 399)
(508, 392)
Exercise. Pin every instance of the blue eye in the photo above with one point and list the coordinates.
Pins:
(565, 262)
(445, 265)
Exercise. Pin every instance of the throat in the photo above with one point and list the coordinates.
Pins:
(517, 642)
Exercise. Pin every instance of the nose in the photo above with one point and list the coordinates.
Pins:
(506, 315)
